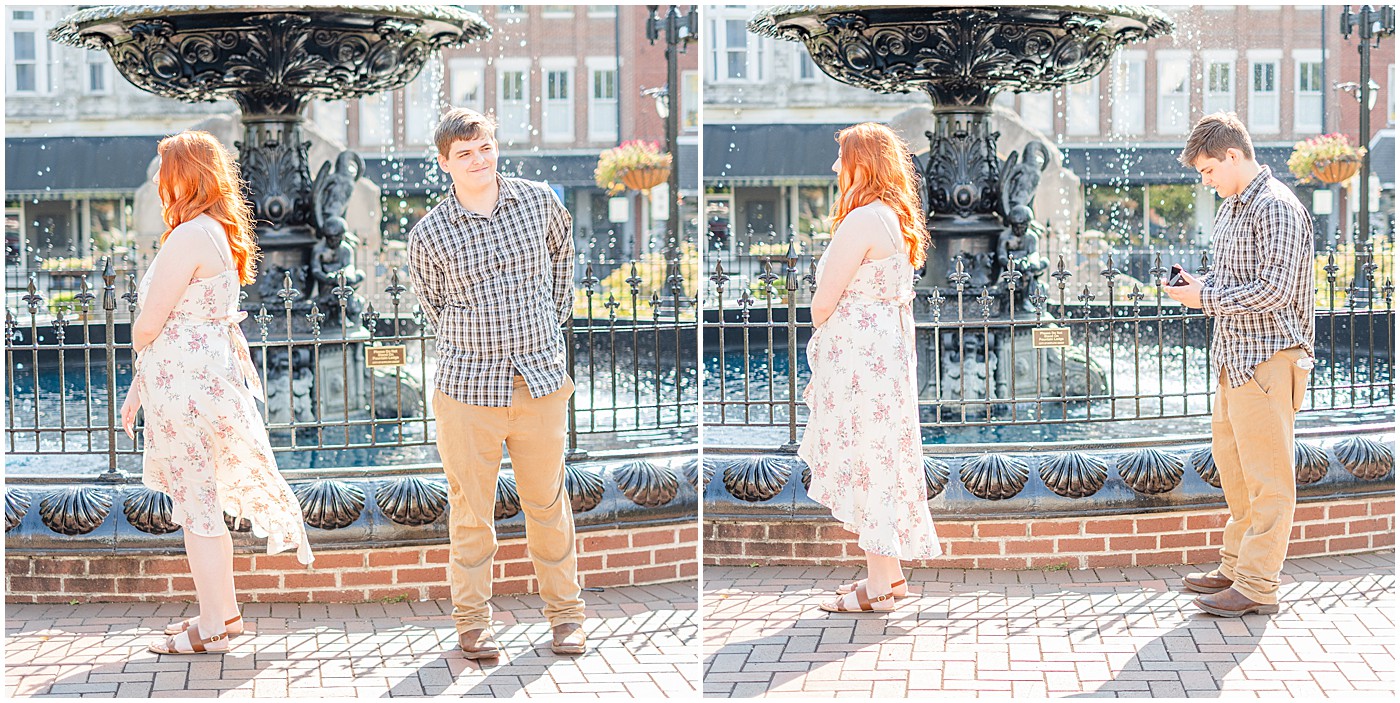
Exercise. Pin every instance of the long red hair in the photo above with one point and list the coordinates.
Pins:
(198, 167)
(876, 165)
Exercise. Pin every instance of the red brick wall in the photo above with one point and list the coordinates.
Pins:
(1186, 537)
(605, 558)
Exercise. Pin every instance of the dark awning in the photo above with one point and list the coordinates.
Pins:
(1153, 165)
(791, 154)
(769, 154)
(68, 166)
(1382, 151)
(52, 166)
(418, 175)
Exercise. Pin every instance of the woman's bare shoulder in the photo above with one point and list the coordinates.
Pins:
(862, 217)
(196, 237)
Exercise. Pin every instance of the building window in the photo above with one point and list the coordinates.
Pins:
(1263, 96)
(1390, 94)
(1220, 87)
(98, 69)
(1130, 95)
(1038, 111)
(330, 119)
(466, 77)
(690, 101)
(557, 11)
(510, 11)
(513, 103)
(377, 120)
(1173, 93)
(422, 107)
(602, 101)
(602, 10)
(806, 67)
(733, 56)
(558, 104)
(24, 58)
(1307, 101)
(1082, 107)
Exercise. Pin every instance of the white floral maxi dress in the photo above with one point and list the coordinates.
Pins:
(206, 444)
(862, 438)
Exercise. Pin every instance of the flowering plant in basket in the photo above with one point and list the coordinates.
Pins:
(1329, 158)
(631, 157)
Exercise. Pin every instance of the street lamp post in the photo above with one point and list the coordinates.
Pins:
(1370, 25)
(677, 31)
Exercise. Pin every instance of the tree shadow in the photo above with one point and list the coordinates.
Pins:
(618, 640)
(117, 650)
(1214, 647)
(805, 629)
(525, 657)
(1204, 676)
(778, 636)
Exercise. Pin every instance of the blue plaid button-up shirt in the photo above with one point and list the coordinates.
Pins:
(496, 288)
(1261, 289)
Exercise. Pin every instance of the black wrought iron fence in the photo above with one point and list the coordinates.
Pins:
(335, 386)
(753, 268)
(1076, 351)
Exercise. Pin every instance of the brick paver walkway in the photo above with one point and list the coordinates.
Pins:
(642, 643)
(1101, 632)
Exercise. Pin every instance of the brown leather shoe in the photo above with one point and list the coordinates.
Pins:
(1230, 603)
(1211, 582)
(478, 644)
(569, 638)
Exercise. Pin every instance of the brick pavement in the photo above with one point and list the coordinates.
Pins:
(642, 643)
(1108, 632)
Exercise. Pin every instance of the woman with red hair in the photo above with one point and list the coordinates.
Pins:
(862, 439)
(205, 441)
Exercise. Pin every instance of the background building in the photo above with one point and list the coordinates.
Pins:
(1120, 133)
(564, 81)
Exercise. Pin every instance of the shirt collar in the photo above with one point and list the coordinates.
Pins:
(505, 191)
(1255, 186)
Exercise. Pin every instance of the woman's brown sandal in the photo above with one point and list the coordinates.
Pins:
(845, 588)
(183, 625)
(196, 643)
(863, 601)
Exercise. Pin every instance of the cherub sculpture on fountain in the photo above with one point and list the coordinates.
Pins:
(334, 253)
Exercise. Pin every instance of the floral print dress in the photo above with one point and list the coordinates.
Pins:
(206, 444)
(862, 439)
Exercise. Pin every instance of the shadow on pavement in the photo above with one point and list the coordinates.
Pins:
(1156, 656)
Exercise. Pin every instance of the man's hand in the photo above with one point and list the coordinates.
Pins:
(1189, 294)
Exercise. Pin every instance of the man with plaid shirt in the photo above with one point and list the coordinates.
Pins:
(1261, 296)
(492, 265)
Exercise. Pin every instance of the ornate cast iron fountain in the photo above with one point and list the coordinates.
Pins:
(980, 208)
(272, 61)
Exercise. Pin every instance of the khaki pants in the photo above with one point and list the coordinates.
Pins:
(1252, 441)
(469, 439)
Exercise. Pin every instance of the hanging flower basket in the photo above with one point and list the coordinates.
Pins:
(635, 164)
(645, 178)
(1336, 170)
(1329, 158)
